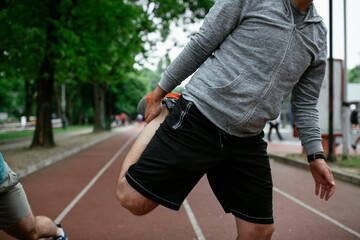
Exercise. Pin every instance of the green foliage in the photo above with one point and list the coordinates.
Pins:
(353, 74)
(352, 162)
(11, 96)
(22, 38)
(128, 92)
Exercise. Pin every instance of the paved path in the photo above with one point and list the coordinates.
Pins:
(80, 193)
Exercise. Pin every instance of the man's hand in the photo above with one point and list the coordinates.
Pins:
(323, 177)
(153, 107)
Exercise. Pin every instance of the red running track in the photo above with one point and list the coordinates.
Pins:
(80, 191)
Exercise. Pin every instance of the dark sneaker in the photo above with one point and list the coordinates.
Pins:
(61, 237)
(353, 146)
(142, 105)
(169, 101)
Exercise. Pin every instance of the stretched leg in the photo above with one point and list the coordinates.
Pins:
(34, 228)
(129, 197)
(357, 140)
(253, 231)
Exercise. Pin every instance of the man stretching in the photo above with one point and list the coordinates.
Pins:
(249, 55)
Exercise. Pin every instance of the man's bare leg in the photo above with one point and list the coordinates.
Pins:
(357, 140)
(129, 197)
(34, 228)
(253, 231)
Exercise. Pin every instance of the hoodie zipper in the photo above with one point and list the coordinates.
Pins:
(271, 84)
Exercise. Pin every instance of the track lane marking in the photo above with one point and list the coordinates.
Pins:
(316, 212)
(193, 221)
(93, 181)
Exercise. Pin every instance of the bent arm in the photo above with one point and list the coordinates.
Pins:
(221, 20)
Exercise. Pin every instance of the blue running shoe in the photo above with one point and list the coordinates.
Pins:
(61, 237)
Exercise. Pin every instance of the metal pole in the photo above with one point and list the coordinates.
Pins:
(345, 107)
(331, 157)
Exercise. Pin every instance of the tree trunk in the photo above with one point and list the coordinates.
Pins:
(45, 83)
(99, 105)
(43, 132)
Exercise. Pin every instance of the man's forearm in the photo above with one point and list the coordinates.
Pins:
(158, 94)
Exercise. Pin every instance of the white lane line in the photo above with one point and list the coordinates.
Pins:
(92, 182)
(317, 212)
(193, 221)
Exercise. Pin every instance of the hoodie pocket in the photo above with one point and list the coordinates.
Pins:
(236, 98)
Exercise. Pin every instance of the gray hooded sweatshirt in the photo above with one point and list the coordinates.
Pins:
(249, 56)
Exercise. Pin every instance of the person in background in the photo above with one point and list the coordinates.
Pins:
(357, 140)
(354, 118)
(275, 124)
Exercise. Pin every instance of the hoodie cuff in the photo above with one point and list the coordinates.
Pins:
(313, 147)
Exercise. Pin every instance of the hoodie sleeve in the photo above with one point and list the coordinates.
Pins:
(304, 101)
(222, 18)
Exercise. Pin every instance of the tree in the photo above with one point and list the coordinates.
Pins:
(354, 74)
(45, 82)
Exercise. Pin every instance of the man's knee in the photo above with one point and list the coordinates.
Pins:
(31, 231)
(258, 232)
(130, 199)
(32, 235)
(247, 230)
(25, 229)
(263, 231)
(267, 231)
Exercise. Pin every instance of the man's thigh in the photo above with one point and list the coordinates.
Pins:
(22, 229)
(14, 205)
(243, 182)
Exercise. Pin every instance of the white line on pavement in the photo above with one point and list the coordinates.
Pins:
(193, 221)
(92, 182)
(317, 212)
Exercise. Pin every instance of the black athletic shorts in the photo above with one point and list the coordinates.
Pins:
(186, 146)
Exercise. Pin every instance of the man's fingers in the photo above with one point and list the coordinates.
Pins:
(323, 190)
(149, 118)
(317, 188)
(330, 192)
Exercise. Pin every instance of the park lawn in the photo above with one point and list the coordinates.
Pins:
(352, 162)
(28, 133)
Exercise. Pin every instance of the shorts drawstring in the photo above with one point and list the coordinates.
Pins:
(222, 136)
